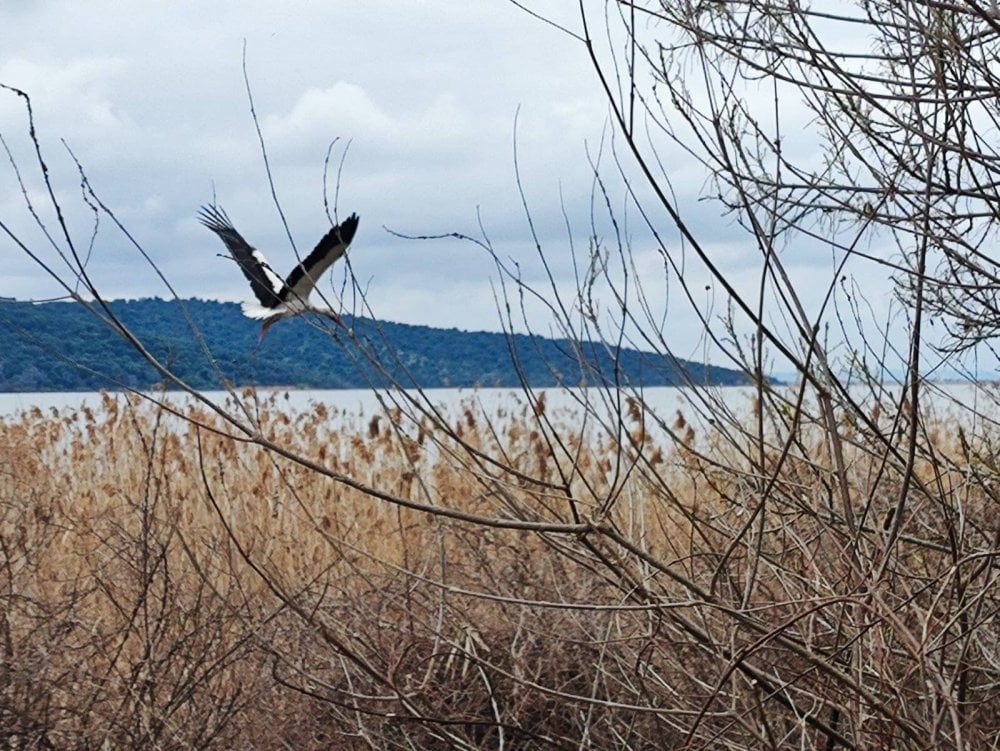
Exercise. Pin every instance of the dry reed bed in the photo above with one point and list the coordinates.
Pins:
(164, 585)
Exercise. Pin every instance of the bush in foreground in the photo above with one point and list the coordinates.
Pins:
(168, 586)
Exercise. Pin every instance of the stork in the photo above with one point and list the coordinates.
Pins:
(280, 299)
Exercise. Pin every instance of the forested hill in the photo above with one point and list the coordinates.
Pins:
(62, 347)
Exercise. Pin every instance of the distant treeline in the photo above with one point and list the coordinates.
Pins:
(63, 347)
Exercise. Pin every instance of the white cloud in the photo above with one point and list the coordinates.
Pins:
(343, 107)
(152, 101)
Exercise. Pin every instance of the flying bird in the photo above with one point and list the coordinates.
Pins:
(280, 299)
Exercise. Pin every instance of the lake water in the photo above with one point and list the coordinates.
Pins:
(12, 404)
(363, 401)
(581, 411)
(697, 405)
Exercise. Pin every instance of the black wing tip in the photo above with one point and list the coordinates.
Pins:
(215, 218)
(346, 229)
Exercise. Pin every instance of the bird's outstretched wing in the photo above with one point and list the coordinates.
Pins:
(304, 276)
(266, 285)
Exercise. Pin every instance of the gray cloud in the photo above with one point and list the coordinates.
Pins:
(152, 101)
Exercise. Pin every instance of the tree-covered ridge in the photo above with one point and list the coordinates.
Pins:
(63, 347)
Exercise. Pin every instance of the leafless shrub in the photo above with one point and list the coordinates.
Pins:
(581, 568)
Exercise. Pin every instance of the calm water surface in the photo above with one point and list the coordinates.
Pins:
(366, 402)
(664, 401)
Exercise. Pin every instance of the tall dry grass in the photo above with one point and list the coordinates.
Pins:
(166, 584)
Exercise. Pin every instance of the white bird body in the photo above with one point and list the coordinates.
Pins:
(280, 298)
(259, 312)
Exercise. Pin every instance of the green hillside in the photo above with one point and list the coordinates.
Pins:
(63, 347)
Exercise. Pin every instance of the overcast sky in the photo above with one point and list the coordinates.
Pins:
(151, 99)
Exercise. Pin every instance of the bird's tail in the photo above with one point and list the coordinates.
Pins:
(253, 310)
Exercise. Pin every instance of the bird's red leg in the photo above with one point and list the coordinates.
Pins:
(264, 328)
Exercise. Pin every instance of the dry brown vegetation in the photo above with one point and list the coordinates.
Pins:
(815, 571)
(167, 586)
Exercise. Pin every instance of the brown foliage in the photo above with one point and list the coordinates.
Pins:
(168, 586)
